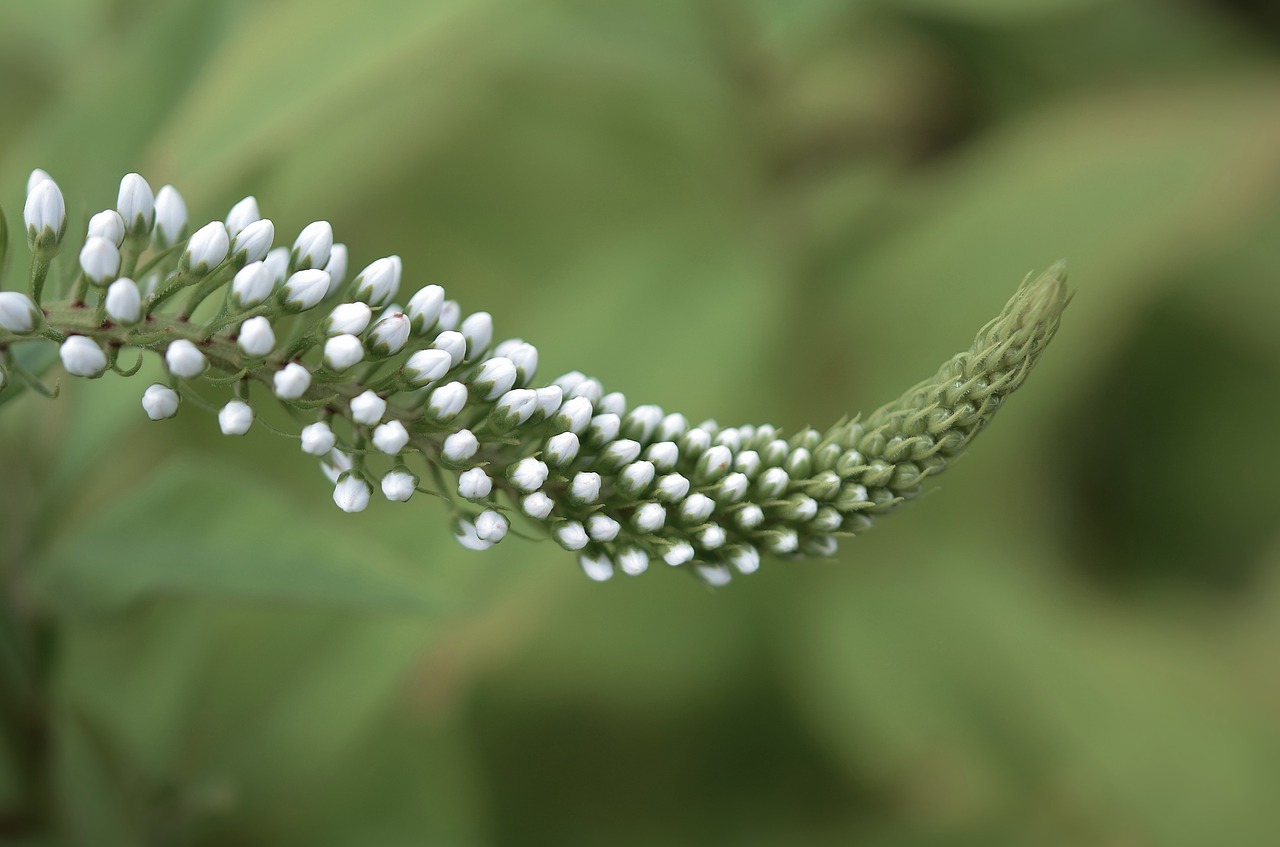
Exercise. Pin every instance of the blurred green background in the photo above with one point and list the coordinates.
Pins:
(758, 210)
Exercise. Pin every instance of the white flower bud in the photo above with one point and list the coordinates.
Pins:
(379, 282)
(584, 488)
(136, 204)
(474, 484)
(694, 442)
(171, 218)
(624, 451)
(775, 452)
(241, 215)
(351, 494)
(450, 314)
(749, 516)
(277, 264)
(447, 401)
(305, 289)
(528, 474)
(747, 462)
(603, 528)
(597, 568)
(184, 360)
(424, 308)
(253, 243)
(256, 337)
(452, 343)
(664, 455)
(291, 381)
(18, 313)
(745, 558)
(537, 505)
(389, 335)
(713, 464)
(672, 427)
(571, 536)
(613, 403)
(206, 249)
(561, 449)
(678, 554)
(711, 538)
(588, 388)
(650, 517)
(124, 302)
(318, 438)
(368, 408)
(733, 488)
(348, 319)
(37, 176)
(799, 464)
(636, 477)
(603, 429)
(491, 526)
(235, 418)
(107, 225)
(696, 508)
(801, 508)
(549, 399)
(160, 402)
(772, 483)
(574, 415)
(820, 546)
(633, 561)
(391, 437)
(716, 576)
(100, 260)
(311, 248)
(252, 285)
(460, 447)
(729, 438)
(399, 485)
(672, 488)
(342, 351)
(828, 519)
(426, 366)
(336, 268)
(495, 378)
(783, 541)
(525, 357)
(45, 214)
(477, 329)
(642, 422)
(513, 409)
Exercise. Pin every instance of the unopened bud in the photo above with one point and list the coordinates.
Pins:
(311, 248)
(206, 249)
(171, 218)
(379, 282)
(100, 260)
(291, 381)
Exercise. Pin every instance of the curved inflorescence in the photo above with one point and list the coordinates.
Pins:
(384, 388)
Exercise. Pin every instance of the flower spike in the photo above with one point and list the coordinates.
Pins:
(427, 391)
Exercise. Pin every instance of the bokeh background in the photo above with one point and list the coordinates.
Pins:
(759, 210)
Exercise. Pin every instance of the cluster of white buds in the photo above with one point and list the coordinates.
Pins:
(621, 486)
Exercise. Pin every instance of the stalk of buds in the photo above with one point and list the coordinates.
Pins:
(387, 389)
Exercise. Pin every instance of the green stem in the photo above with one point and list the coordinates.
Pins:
(39, 272)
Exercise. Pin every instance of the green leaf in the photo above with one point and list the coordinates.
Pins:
(200, 531)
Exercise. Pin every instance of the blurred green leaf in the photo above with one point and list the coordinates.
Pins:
(203, 531)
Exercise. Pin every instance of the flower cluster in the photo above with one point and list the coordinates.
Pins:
(386, 393)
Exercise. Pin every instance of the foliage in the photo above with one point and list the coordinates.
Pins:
(753, 211)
